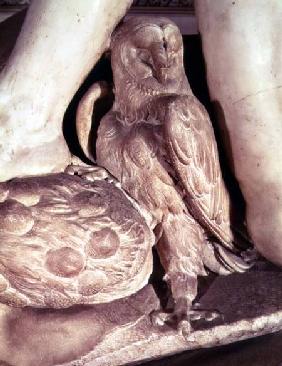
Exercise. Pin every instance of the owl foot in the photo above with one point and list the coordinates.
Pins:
(184, 326)
(206, 315)
(161, 318)
(182, 317)
(179, 317)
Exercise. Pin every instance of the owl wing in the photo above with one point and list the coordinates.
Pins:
(130, 153)
(193, 152)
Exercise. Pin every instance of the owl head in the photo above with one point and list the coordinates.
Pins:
(147, 60)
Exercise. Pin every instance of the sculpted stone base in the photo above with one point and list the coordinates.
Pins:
(121, 332)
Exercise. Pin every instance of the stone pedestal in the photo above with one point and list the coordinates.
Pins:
(121, 333)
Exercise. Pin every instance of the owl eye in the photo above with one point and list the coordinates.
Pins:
(145, 57)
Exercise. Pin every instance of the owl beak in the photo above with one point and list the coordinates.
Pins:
(160, 59)
(162, 74)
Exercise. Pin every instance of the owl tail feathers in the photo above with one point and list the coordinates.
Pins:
(86, 113)
(222, 261)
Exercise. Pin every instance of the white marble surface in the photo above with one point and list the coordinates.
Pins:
(243, 54)
(58, 45)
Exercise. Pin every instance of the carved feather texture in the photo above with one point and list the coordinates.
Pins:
(65, 240)
(138, 166)
(193, 151)
(162, 146)
(158, 142)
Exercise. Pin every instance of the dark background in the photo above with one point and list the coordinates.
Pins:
(260, 351)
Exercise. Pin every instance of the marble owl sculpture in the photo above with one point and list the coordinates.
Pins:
(158, 141)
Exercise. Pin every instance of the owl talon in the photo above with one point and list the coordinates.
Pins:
(182, 320)
(206, 315)
(160, 318)
(212, 315)
(184, 328)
